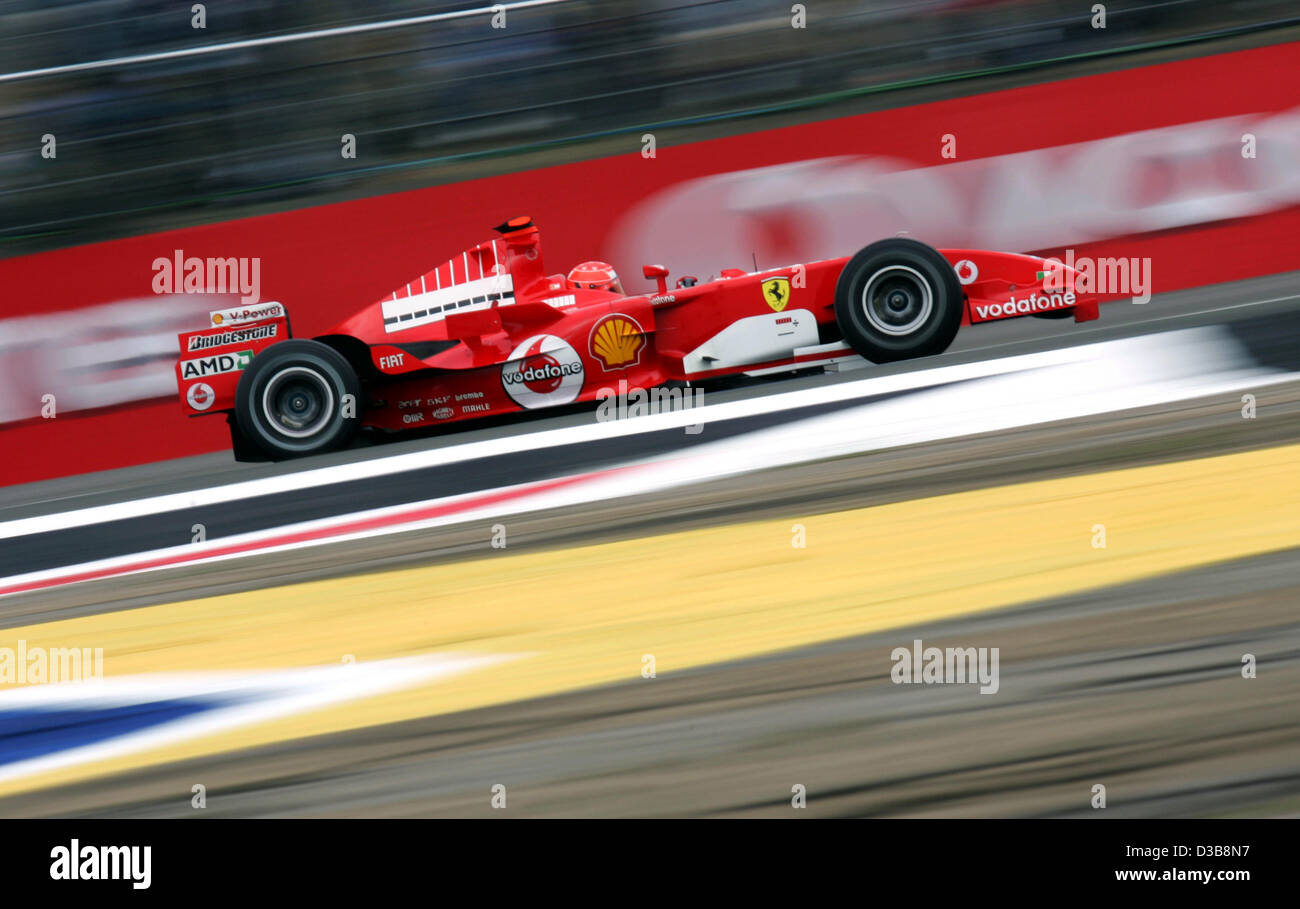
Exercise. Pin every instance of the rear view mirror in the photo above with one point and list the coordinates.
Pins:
(659, 274)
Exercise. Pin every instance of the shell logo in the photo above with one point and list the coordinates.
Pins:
(217, 318)
(617, 341)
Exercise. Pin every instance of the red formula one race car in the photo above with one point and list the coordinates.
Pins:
(489, 332)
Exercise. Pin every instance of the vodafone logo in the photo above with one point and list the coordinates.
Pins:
(200, 396)
(967, 271)
(543, 371)
(1032, 303)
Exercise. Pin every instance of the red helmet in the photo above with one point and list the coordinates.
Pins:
(595, 276)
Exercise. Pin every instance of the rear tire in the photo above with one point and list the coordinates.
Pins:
(239, 444)
(291, 400)
(898, 299)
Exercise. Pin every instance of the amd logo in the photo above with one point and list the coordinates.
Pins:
(215, 365)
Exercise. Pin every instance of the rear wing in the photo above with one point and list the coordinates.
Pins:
(212, 359)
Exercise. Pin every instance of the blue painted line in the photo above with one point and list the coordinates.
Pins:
(27, 733)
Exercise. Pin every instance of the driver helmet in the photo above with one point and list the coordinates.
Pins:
(595, 276)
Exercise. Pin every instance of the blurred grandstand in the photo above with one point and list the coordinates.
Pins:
(255, 125)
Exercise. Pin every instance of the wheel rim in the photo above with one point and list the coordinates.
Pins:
(298, 402)
(897, 300)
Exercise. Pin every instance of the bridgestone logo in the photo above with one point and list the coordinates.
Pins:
(206, 342)
(539, 373)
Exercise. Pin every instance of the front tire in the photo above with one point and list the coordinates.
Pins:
(292, 399)
(898, 299)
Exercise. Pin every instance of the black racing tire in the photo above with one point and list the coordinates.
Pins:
(242, 449)
(290, 401)
(898, 299)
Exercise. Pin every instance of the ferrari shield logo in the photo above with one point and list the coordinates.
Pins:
(776, 291)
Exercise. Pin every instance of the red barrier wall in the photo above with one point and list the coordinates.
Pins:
(325, 261)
